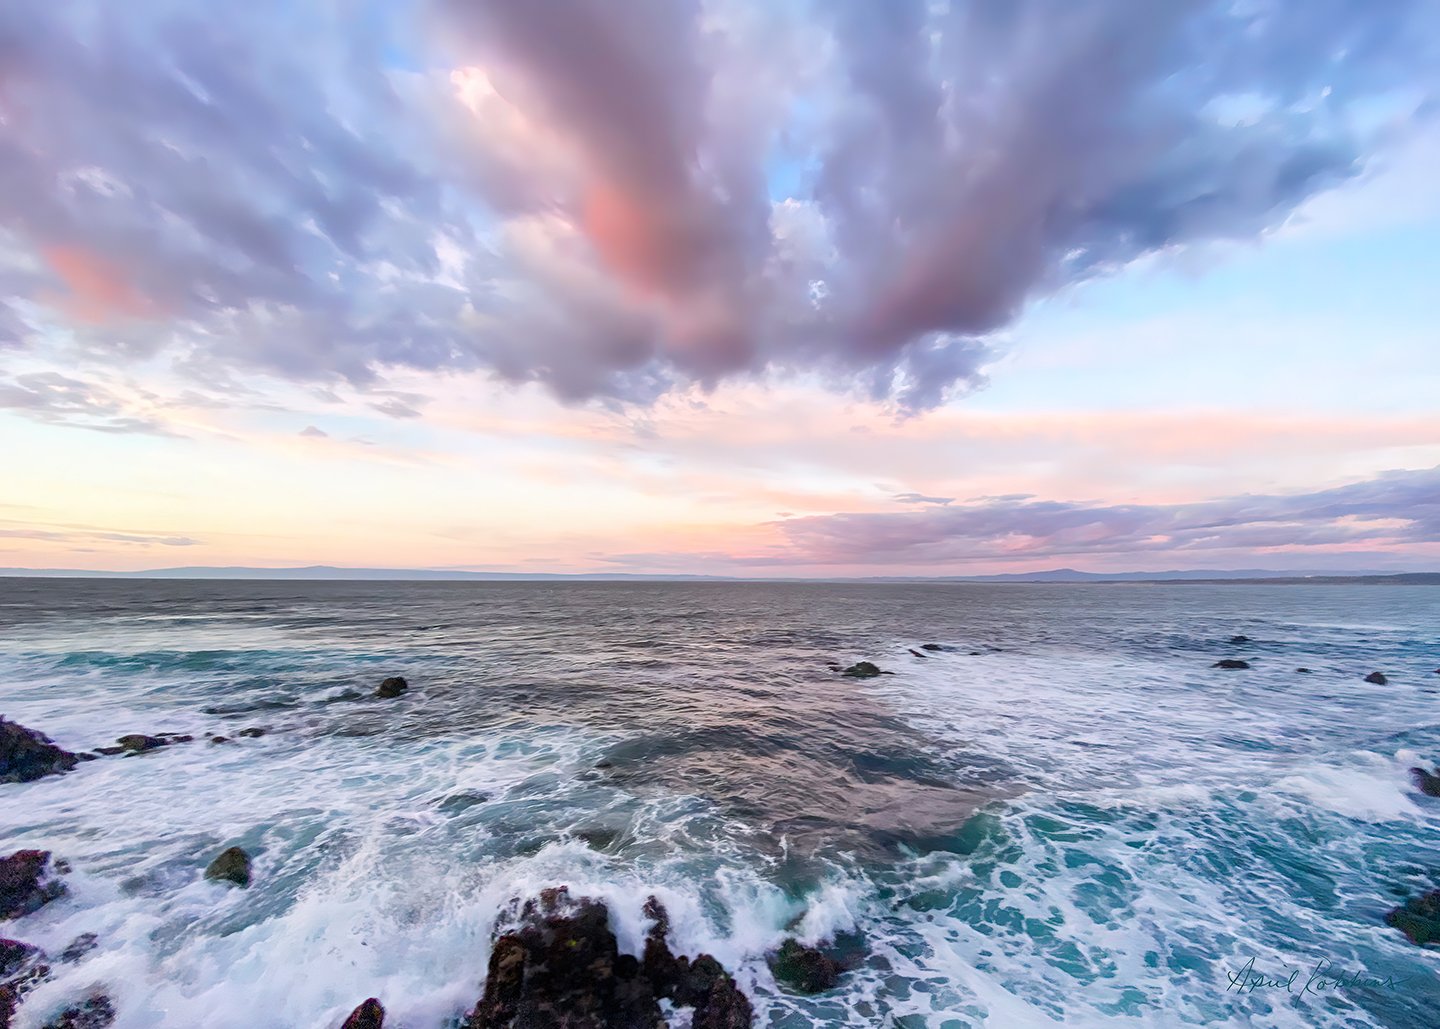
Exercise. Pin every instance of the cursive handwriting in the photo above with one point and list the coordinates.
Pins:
(1322, 978)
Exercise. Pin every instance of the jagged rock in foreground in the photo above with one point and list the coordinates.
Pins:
(24, 883)
(369, 1015)
(22, 968)
(562, 968)
(1418, 918)
(230, 865)
(26, 755)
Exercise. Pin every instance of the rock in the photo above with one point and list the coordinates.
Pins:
(1239, 639)
(369, 1015)
(232, 865)
(1425, 782)
(862, 670)
(26, 755)
(15, 957)
(253, 733)
(931, 646)
(95, 1013)
(803, 968)
(24, 886)
(219, 739)
(1378, 678)
(1303, 671)
(137, 743)
(562, 968)
(918, 653)
(1231, 662)
(79, 947)
(392, 687)
(1418, 918)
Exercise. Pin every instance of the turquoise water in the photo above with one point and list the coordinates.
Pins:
(1067, 817)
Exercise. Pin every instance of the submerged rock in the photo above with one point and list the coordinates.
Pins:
(1303, 671)
(1378, 678)
(1418, 918)
(1426, 782)
(94, 1013)
(862, 670)
(231, 865)
(1231, 662)
(392, 687)
(138, 743)
(1239, 639)
(918, 653)
(804, 968)
(253, 733)
(26, 755)
(369, 1015)
(24, 883)
(79, 947)
(562, 968)
(931, 646)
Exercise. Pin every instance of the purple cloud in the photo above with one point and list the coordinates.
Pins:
(1394, 508)
(271, 188)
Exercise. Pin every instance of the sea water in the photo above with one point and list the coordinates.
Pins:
(1065, 817)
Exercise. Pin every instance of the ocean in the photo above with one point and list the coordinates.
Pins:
(1066, 816)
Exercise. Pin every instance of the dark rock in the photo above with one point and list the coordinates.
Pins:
(561, 968)
(603, 764)
(253, 733)
(109, 751)
(95, 1013)
(79, 947)
(15, 957)
(137, 743)
(219, 739)
(931, 646)
(1378, 678)
(1303, 671)
(26, 755)
(835, 667)
(803, 968)
(1426, 782)
(1231, 662)
(917, 653)
(369, 1015)
(1418, 918)
(1239, 639)
(974, 653)
(862, 670)
(24, 886)
(231, 865)
(392, 687)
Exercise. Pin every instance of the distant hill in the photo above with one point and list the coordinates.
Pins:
(1058, 575)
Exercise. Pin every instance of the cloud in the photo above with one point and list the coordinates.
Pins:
(1396, 508)
(614, 200)
(72, 534)
(60, 400)
(314, 433)
(920, 498)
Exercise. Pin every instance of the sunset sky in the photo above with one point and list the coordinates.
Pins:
(741, 287)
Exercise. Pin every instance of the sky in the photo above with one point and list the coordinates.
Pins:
(735, 287)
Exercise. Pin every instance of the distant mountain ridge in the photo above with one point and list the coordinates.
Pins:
(1057, 575)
